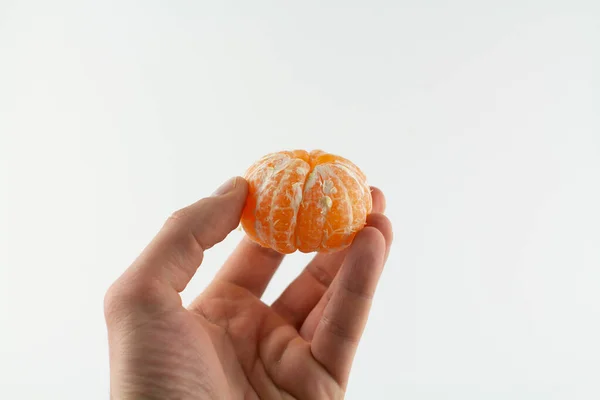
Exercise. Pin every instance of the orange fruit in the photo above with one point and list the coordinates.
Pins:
(305, 201)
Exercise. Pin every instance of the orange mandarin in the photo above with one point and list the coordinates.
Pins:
(305, 201)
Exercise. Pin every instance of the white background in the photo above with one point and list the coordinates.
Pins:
(480, 122)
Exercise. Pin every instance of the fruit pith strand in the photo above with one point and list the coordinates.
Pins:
(305, 201)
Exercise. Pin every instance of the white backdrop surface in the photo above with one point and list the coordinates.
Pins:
(479, 120)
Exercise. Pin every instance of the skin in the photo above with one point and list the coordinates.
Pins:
(228, 344)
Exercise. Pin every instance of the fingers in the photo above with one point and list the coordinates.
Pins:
(301, 296)
(309, 324)
(378, 201)
(343, 320)
(250, 266)
(171, 259)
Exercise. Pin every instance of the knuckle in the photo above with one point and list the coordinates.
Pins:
(335, 328)
(200, 221)
(191, 213)
(357, 289)
(113, 307)
(188, 217)
(320, 274)
(124, 298)
(179, 217)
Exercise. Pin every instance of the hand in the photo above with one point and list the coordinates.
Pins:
(228, 344)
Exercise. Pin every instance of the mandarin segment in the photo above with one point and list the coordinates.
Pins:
(305, 201)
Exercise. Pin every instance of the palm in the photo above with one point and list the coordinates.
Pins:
(228, 344)
(261, 351)
(261, 355)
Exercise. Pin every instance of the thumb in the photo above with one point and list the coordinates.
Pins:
(174, 255)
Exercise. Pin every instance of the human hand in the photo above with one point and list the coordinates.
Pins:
(228, 344)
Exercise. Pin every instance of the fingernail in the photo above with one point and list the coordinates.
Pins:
(226, 187)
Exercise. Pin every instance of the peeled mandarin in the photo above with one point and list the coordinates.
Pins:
(311, 202)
